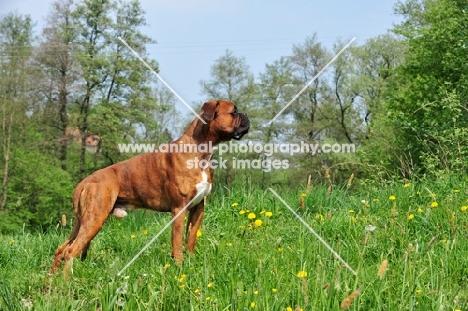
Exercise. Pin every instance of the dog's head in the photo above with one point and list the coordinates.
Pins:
(224, 121)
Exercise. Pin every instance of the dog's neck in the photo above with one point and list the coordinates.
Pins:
(198, 133)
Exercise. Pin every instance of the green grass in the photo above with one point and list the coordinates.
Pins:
(238, 266)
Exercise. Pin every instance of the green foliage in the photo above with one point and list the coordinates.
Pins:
(39, 193)
(429, 101)
(80, 82)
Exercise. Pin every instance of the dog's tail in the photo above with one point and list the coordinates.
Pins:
(82, 202)
(79, 206)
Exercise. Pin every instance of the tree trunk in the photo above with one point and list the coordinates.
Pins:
(63, 119)
(6, 127)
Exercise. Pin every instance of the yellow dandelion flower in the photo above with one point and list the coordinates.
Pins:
(208, 298)
(234, 204)
(12, 241)
(258, 223)
(289, 309)
(145, 232)
(420, 210)
(303, 195)
(434, 204)
(419, 291)
(410, 216)
(199, 233)
(251, 216)
(279, 249)
(253, 304)
(182, 278)
(268, 214)
(406, 185)
(320, 217)
(255, 292)
(196, 291)
(353, 219)
(464, 208)
(210, 285)
(456, 190)
(181, 285)
(351, 211)
(392, 198)
(241, 212)
(133, 236)
(229, 244)
(301, 274)
(274, 290)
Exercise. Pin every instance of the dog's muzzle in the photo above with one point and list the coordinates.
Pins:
(243, 128)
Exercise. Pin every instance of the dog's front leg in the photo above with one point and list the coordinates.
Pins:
(193, 224)
(177, 235)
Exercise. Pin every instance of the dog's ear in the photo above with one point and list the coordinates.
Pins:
(209, 110)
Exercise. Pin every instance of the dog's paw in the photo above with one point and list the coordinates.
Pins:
(119, 212)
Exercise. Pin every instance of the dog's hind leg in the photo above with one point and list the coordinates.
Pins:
(84, 252)
(96, 202)
(58, 257)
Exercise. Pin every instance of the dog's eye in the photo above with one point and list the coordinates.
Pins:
(235, 110)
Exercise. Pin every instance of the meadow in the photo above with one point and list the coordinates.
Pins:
(407, 242)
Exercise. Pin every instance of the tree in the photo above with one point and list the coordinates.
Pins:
(307, 61)
(33, 190)
(374, 68)
(276, 87)
(166, 115)
(429, 99)
(231, 79)
(116, 91)
(374, 72)
(58, 79)
(15, 49)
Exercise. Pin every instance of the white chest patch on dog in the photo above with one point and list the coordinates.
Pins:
(203, 189)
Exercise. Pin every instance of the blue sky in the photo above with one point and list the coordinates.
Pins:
(192, 34)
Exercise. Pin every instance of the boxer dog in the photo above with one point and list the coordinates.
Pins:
(156, 181)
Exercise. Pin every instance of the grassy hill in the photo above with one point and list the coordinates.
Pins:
(407, 243)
